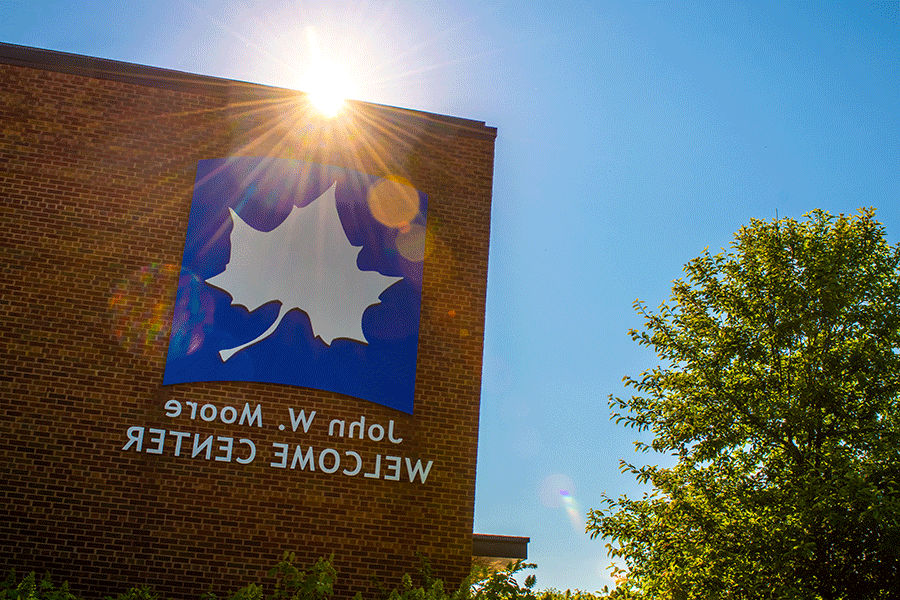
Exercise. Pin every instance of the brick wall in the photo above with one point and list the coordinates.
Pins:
(97, 166)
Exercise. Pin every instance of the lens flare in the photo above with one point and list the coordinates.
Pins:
(140, 306)
(411, 243)
(394, 202)
(573, 511)
(196, 311)
(558, 491)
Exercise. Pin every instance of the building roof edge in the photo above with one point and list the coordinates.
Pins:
(125, 72)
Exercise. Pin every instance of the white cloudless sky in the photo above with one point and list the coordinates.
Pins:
(631, 135)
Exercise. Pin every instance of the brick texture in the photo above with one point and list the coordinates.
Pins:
(97, 166)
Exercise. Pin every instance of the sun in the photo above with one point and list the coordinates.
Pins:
(324, 79)
(327, 87)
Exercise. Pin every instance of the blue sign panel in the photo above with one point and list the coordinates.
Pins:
(301, 274)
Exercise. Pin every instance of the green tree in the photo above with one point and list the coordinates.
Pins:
(777, 396)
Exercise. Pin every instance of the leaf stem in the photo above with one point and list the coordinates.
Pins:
(228, 353)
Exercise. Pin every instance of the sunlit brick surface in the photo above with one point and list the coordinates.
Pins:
(97, 166)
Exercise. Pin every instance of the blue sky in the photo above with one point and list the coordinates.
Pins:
(631, 135)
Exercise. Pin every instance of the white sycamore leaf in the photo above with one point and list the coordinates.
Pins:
(305, 263)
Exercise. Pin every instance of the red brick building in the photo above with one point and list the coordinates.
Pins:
(97, 166)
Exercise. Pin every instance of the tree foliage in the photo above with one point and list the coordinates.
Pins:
(777, 395)
(293, 583)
